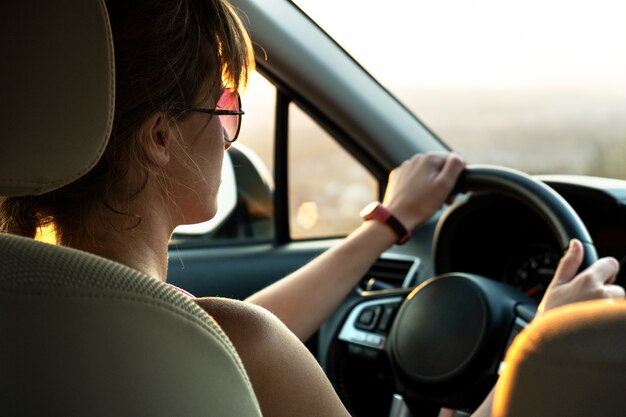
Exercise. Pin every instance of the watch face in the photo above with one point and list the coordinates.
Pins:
(369, 210)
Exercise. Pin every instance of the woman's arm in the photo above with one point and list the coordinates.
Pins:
(307, 297)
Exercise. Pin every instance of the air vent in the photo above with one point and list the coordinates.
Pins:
(390, 271)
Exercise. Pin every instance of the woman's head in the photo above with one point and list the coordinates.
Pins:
(170, 55)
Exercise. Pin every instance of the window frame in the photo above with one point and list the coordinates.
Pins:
(284, 97)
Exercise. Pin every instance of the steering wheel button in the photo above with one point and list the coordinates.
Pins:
(385, 318)
(368, 318)
(358, 337)
(374, 340)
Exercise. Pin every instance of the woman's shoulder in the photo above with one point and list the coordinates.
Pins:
(240, 319)
(278, 364)
(257, 334)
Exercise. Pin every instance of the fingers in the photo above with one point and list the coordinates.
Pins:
(612, 268)
(444, 167)
(603, 271)
(595, 282)
(569, 264)
(443, 163)
(452, 166)
(432, 161)
(614, 291)
(449, 174)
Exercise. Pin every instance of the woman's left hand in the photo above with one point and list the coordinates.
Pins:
(595, 282)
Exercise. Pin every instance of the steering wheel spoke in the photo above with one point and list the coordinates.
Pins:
(369, 322)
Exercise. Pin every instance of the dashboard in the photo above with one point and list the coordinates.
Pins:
(482, 233)
(502, 239)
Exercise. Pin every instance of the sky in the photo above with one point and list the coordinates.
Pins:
(478, 43)
(496, 79)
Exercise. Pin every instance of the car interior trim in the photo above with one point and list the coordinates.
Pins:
(351, 334)
(281, 168)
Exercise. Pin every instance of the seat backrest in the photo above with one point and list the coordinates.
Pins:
(571, 362)
(79, 334)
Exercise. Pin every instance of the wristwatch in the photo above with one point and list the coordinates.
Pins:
(377, 212)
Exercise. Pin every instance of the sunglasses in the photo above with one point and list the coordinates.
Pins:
(229, 112)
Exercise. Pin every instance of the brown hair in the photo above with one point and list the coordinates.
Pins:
(166, 53)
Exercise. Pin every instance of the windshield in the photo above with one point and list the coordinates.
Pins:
(538, 85)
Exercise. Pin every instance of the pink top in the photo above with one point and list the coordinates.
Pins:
(187, 293)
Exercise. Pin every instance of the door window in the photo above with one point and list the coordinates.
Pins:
(327, 186)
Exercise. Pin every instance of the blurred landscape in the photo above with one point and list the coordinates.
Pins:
(551, 131)
(539, 131)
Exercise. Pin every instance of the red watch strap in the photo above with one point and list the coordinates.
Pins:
(376, 211)
(403, 234)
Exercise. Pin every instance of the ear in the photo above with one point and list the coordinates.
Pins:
(156, 138)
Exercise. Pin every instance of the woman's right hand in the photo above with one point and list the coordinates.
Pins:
(420, 186)
(595, 282)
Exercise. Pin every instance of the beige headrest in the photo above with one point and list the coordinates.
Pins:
(57, 84)
(571, 362)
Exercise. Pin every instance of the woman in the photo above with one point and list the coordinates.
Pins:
(177, 77)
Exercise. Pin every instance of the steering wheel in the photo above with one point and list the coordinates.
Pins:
(447, 340)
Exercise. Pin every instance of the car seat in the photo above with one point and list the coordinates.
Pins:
(81, 335)
(571, 362)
